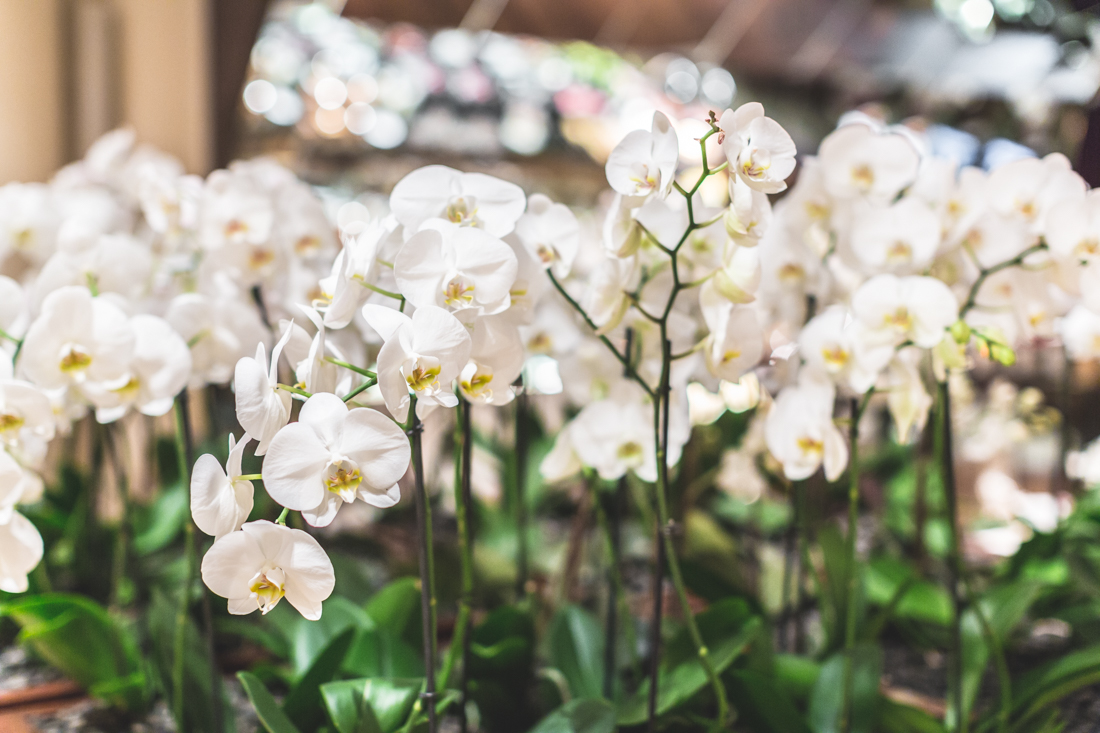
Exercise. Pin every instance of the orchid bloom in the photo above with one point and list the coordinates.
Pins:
(896, 309)
(859, 161)
(262, 408)
(831, 343)
(736, 341)
(77, 339)
(550, 233)
(332, 456)
(902, 237)
(422, 355)
(644, 162)
(758, 149)
(220, 499)
(355, 269)
(261, 563)
(800, 432)
(496, 360)
(457, 268)
(466, 199)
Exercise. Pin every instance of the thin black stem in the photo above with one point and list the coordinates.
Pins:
(465, 537)
(427, 569)
(853, 574)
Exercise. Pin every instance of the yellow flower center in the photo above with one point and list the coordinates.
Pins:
(307, 244)
(792, 272)
(477, 384)
(900, 319)
(343, 479)
(1087, 247)
(235, 228)
(266, 588)
(423, 374)
(462, 211)
(899, 251)
(811, 446)
(23, 239)
(260, 257)
(863, 177)
(74, 359)
(835, 357)
(630, 451)
(129, 389)
(730, 355)
(10, 421)
(547, 254)
(458, 292)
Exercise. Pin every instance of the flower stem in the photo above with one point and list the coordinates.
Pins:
(359, 390)
(183, 458)
(295, 390)
(460, 642)
(122, 538)
(282, 517)
(251, 477)
(427, 566)
(954, 562)
(852, 571)
(358, 370)
(521, 448)
(983, 275)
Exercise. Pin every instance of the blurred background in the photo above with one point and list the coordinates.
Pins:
(352, 94)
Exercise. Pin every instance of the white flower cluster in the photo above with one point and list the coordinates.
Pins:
(124, 282)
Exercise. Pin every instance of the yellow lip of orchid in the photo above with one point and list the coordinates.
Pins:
(74, 358)
(267, 588)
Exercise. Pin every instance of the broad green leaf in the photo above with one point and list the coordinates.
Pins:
(380, 653)
(579, 716)
(827, 699)
(308, 638)
(271, 716)
(763, 705)
(796, 674)
(303, 702)
(77, 636)
(160, 523)
(682, 682)
(396, 607)
(370, 705)
(247, 628)
(576, 648)
(1041, 688)
(923, 601)
(897, 718)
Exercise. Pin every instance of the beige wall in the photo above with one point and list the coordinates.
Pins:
(32, 136)
(73, 69)
(165, 84)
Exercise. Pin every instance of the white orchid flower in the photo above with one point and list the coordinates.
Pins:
(758, 149)
(736, 340)
(422, 354)
(77, 339)
(355, 268)
(28, 220)
(1080, 331)
(749, 213)
(831, 343)
(496, 359)
(115, 263)
(466, 199)
(550, 233)
(333, 456)
(309, 355)
(457, 268)
(902, 237)
(1073, 227)
(859, 161)
(800, 432)
(219, 330)
(235, 212)
(20, 552)
(262, 408)
(220, 499)
(159, 369)
(1028, 189)
(644, 162)
(256, 566)
(622, 235)
(605, 299)
(739, 277)
(25, 414)
(896, 309)
(906, 397)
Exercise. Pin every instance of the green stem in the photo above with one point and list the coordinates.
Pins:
(427, 566)
(251, 477)
(294, 390)
(358, 370)
(852, 561)
(359, 390)
(122, 538)
(282, 516)
(670, 551)
(380, 291)
(521, 448)
(954, 563)
(1004, 678)
(983, 275)
(460, 643)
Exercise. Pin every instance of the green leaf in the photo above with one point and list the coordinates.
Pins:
(923, 601)
(762, 704)
(396, 608)
(1041, 688)
(303, 702)
(1004, 607)
(272, 717)
(370, 705)
(77, 636)
(897, 718)
(380, 653)
(827, 698)
(161, 522)
(308, 638)
(247, 628)
(796, 674)
(576, 648)
(579, 716)
(683, 681)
